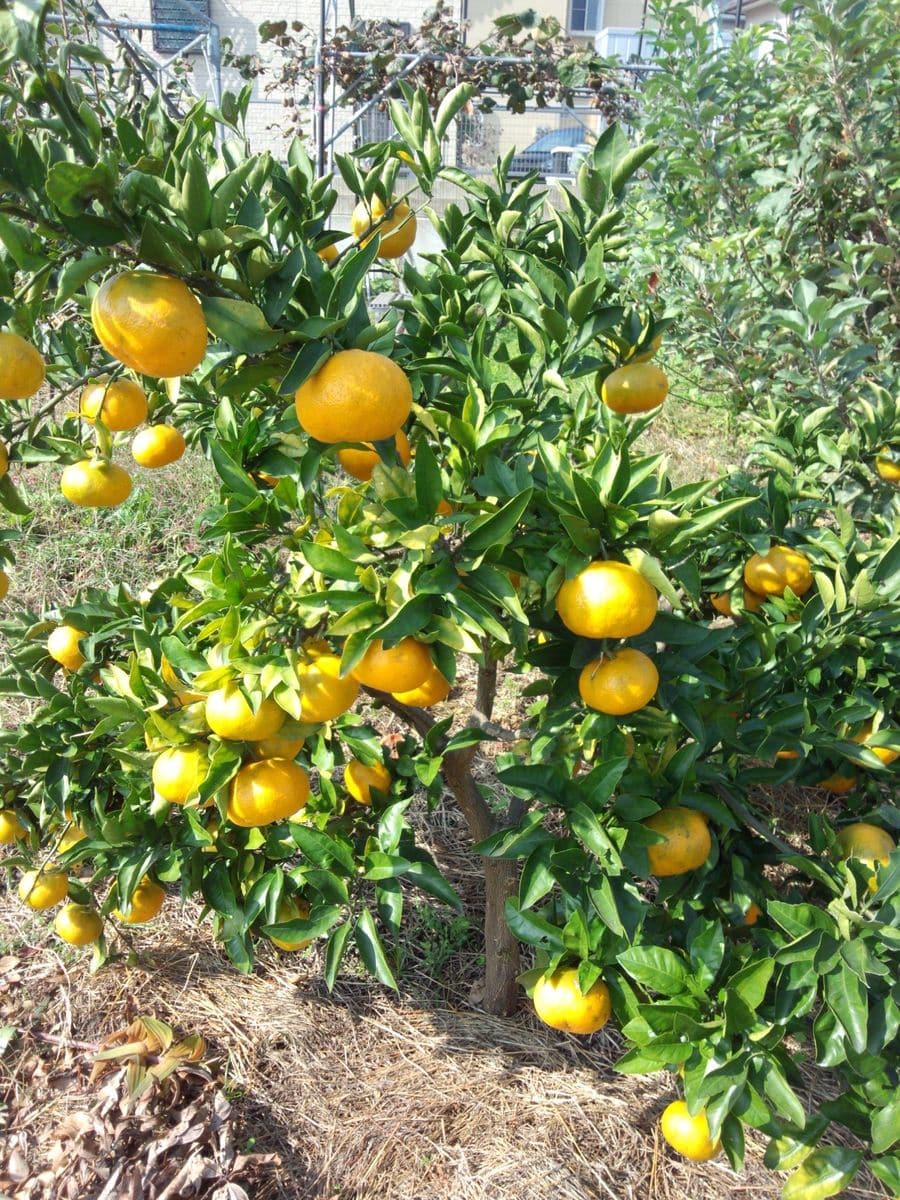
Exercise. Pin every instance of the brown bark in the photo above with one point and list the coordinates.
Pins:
(501, 950)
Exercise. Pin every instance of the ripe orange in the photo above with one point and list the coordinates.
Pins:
(151, 323)
(444, 508)
(63, 646)
(360, 779)
(78, 924)
(95, 484)
(278, 746)
(687, 841)
(560, 1003)
(178, 772)
(401, 668)
(4, 585)
(44, 889)
(753, 913)
(267, 791)
(22, 368)
(839, 783)
(157, 446)
(397, 231)
(361, 463)
(329, 253)
(779, 568)
(885, 753)
(722, 602)
(4, 459)
(638, 387)
(787, 754)
(183, 695)
(432, 691)
(887, 464)
(607, 600)
(230, 716)
(120, 405)
(324, 695)
(619, 683)
(146, 901)
(73, 835)
(11, 828)
(868, 843)
(291, 908)
(688, 1135)
(357, 396)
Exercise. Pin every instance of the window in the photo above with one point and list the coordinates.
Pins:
(178, 12)
(585, 16)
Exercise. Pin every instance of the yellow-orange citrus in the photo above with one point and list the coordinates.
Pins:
(230, 716)
(266, 791)
(887, 464)
(91, 483)
(867, 842)
(179, 771)
(360, 779)
(183, 695)
(607, 600)
(638, 387)
(432, 691)
(688, 1135)
(561, 1004)
(444, 508)
(120, 405)
(779, 568)
(78, 924)
(647, 353)
(324, 695)
(146, 901)
(291, 909)
(22, 369)
(787, 754)
(885, 753)
(361, 463)
(73, 835)
(357, 396)
(329, 253)
(157, 446)
(753, 913)
(151, 323)
(4, 585)
(619, 683)
(401, 668)
(397, 231)
(687, 841)
(722, 602)
(839, 783)
(4, 459)
(279, 746)
(63, 646)
(11, 828)
(44, 889)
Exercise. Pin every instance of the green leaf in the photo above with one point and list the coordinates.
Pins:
(846, 997)
(334, 953)
(826, 1172)
(241, 325)
(751, 982)
(371, 950)
(886, 1126)
(218, 891)
(655, 967)
(429, 485)
(780, 1092)
(532, 929)
(492, 531)
(329, 562)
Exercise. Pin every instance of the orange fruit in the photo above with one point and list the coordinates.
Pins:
(787, 753)
(444, 508)
(687, 841)
(753, 913)
(722, 602)
(647, 353)
(95, 484)
(779, 568)
(401, 668)
(560, 1003)
(887, 465)
(178, 772)
(329, 253)
(324, 694)
(63, 646)
(638, 387)
(278, 746)
(357, 396)
(22, 368)
(885, 753)
(78, 924)
(230, 716)
(360, 779)
(267, 791)
(361, 463)
(607, 600)
(73, 835)
(839, 783)
(868, 843)
(43, 889)
(397, 231)
(11, 828)
(120, 405)
(619, 683)
(4, 459)
(291, 908)
(152, 323)
(183, 695)
(146, 901)
(4, 585)
(157, 446)
(688, 1135)
(432, 691)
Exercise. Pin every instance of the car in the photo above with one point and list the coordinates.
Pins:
(552, 153)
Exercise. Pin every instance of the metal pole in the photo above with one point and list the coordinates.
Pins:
(320, 94)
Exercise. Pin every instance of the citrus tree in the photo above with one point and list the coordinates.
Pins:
(412, 513)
